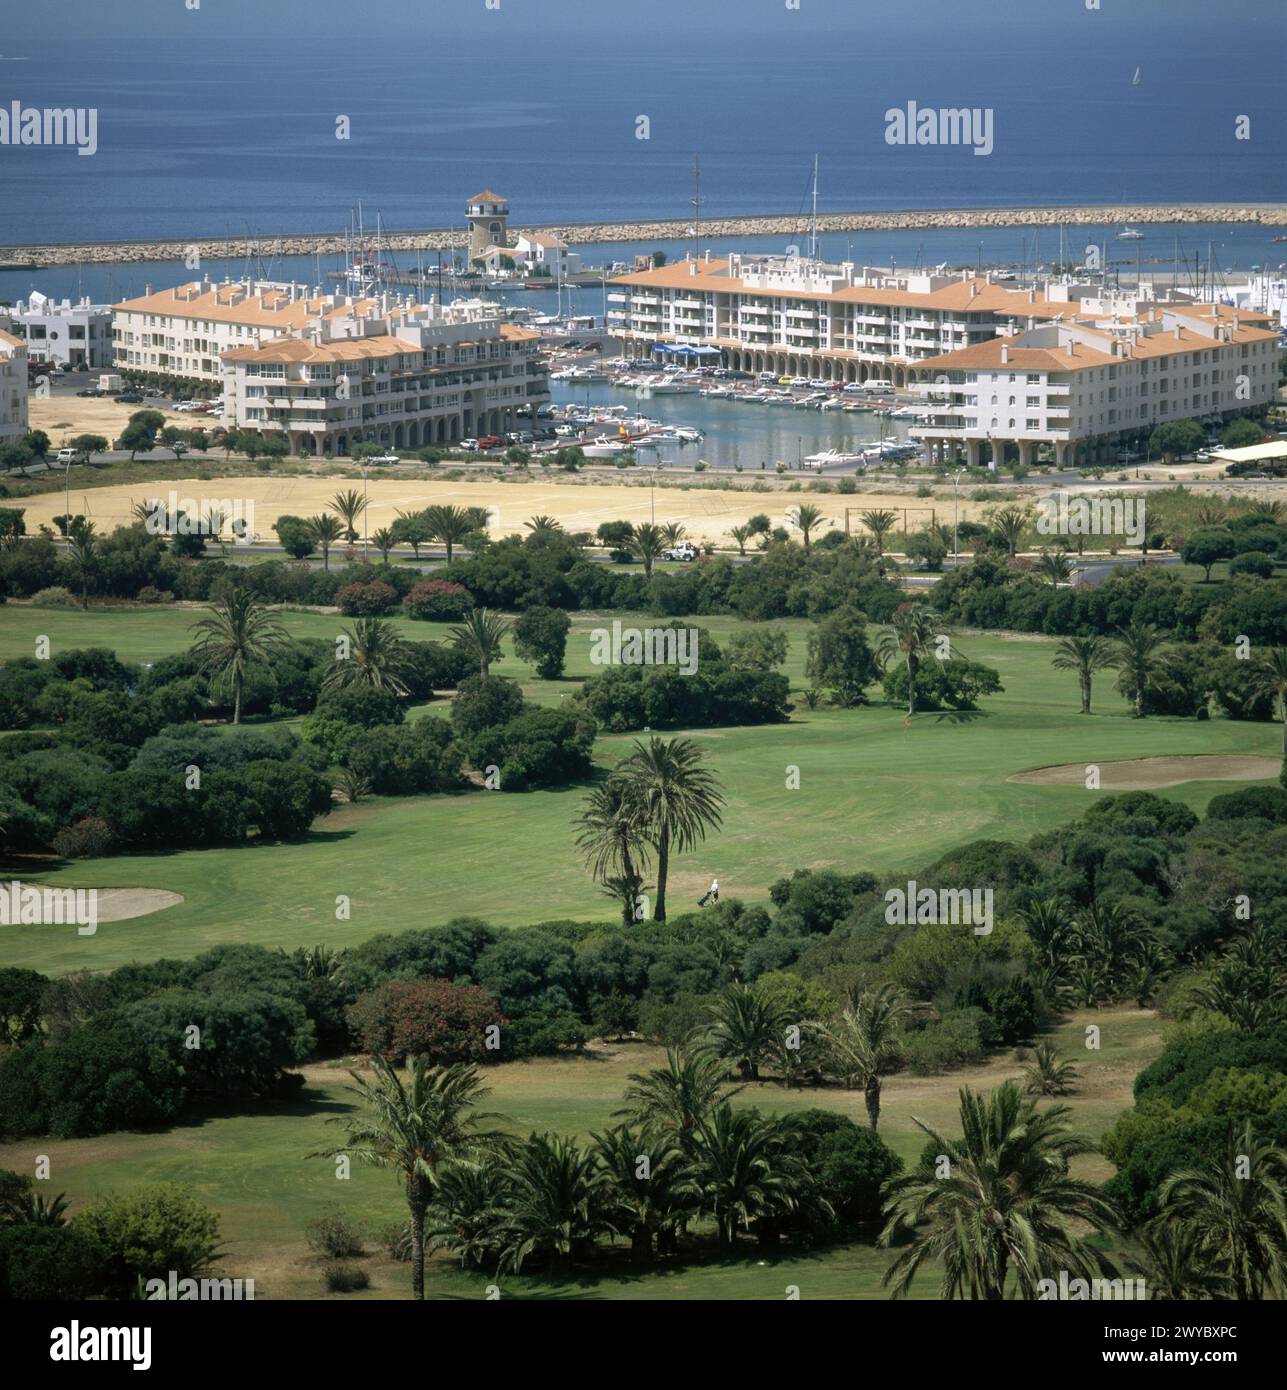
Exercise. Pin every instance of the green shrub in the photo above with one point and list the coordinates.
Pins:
(345, 1278)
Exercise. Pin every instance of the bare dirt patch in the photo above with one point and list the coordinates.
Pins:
(1147, 774)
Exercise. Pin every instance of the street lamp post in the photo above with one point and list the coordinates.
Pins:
(366, 523)
(956, 548)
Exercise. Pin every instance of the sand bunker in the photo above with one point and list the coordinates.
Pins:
(1148, 774)
(117, 904)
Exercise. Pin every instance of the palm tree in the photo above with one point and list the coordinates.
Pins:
(675, 1100)
(464, 1214)
(479, 637)
(673, 532)
(745, 1024)
(746, 1170)
(649, 541)
(1236, 1204)
(677, 799)
(546, 524)
(450, 525)
(652, 1190)
(1085, 655)
(1269, 677)
(913, 627)
(556, 1203)
(384, 540)
(880, 524)
(1048, 924)
(861, 1044)
(1001, 1208)
(324, 531)
(1135, 654)
(1175, 1265)
(1053, 566)
(741, 534)
(378, 657)
(413, 1128)
(611, 838)
(805, 518)
(1046, 1075)
(238, 631)
(349, 506)
(1009, 523)
(82, 541)
(1272, 512)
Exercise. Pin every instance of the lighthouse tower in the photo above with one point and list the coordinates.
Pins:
(488, 217)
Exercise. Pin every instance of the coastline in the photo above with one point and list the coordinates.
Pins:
(581, 233)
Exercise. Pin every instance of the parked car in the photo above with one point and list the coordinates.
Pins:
(128, 398)
(386, 458)
(66, 455)
(488, 441)
(91, 391)
(470, 446)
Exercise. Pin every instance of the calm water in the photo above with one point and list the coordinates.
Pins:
(201, 133)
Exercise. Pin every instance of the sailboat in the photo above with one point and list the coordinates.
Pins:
(1135, 81)
(1129, 234)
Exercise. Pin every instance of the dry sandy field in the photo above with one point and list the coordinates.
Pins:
(708, 514)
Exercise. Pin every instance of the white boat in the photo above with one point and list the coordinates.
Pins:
(604, 448)
(833, 457)
(1130, 234)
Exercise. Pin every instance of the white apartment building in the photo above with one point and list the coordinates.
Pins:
(539, 252)
(1081, 383)
(405, 377)
(800, 317)
(13, 388)
(184, 331)
(62, 333)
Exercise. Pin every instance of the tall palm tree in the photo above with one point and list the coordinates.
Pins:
(384, 540)
(649, 541)
(1009, 524)
(805, 518)
(880, 524)
(1136, 653)
(413, 1127)
(1269, 677)
(674, 532)
(912, 628)
(675, 1100)
(450, 525)
(610, 836)
(82, 541)
(324, 531)
(1054, 567)
(746, 1170)
(479, 637)
(678, 800)
(1048, 924)
(1000, 1209)
(239, 630)
(546, 524)
(1085, 655)
(745, 1023)
(556, 1204)
(1236, 1204)
(378, 657)
(861, 1043)
(348, 506)
(741, 534)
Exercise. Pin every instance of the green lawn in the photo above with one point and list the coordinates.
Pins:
(874, 794)
(252, 1167)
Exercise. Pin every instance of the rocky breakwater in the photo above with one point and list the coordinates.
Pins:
(581, 233)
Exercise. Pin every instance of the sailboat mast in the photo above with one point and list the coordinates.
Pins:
(697, 207)
(813, 234)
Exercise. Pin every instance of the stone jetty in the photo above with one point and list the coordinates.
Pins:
(441, 239)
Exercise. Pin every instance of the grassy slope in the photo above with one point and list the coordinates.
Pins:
(252, 1167)
(873, 794)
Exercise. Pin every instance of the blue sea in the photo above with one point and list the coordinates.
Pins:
(210, 128)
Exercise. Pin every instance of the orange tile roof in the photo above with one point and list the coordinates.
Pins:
(11, 340)
(487, 196)
(988, 356)
(271, 309)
